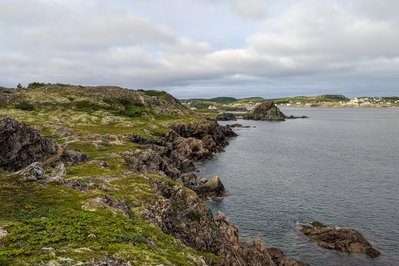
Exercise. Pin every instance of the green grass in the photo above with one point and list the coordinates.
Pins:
(48, 215)
(75, 224)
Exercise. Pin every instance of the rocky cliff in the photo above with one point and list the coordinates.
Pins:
(119, 188)
(21, 145)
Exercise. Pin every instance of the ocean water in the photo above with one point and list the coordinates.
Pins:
(339, 167)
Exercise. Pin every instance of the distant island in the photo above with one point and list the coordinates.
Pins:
(327, 100)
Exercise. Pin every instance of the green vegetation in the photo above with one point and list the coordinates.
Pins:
(26, 106)
(51, 222)
(232, 104)
(47, 222)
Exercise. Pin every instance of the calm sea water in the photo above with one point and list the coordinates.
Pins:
(340, 167)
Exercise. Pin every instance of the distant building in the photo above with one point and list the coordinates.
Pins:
(212, 107)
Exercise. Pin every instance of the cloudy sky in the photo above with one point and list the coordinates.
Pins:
(203, 48)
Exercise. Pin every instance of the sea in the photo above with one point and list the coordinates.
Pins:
(340, 167)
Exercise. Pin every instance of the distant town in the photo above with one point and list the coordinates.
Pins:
(244, 104)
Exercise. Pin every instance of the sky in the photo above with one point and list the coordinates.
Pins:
(205, 48)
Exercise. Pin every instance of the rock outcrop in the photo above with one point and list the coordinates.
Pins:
(33, 172)
(266, 111)
(346, 240)
(184, 215)
(173, 155)
(212, 187)
(226, 117)
(21, 145)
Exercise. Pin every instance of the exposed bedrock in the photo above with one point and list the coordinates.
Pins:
(174, 155)
(21, 145)
(346, 240)
(268, 111)
(184, 215)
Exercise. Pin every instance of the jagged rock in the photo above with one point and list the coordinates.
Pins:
(346, 240)
(187, 166)
(234, 252)
(59, 171)
(266, 111)
(186, 217)
(21, 145)
(226, 117)
(279, 258)
(150, 162)
(213, 187)
(71, 157)
(189, 179)
(33, 172)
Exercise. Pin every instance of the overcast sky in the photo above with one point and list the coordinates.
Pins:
(205, 48)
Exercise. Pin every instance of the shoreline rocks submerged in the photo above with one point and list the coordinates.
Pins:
(345, 240)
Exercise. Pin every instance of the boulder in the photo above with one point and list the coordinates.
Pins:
(266, 111)
(21, 145)
(71, 157)
(346, 240)
(226, 117)
(213, 187)
(59, 171)
(33, 172)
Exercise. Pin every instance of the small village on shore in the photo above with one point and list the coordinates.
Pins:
(245, 104)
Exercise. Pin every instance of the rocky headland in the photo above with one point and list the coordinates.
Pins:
(268, 111)
(106, 176)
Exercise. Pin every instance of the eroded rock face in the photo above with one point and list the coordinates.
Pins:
(346, 240)
(187, 217)
(173, 156)
(266, 111)
(21, 145)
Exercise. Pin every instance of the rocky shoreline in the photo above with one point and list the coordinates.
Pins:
(178, 212)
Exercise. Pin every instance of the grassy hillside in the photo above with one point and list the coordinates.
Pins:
(47, 222)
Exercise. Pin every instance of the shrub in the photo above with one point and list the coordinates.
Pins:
(35, 85)
(26, 106)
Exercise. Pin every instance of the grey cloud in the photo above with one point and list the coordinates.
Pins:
(309, 47)
(254, 9)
